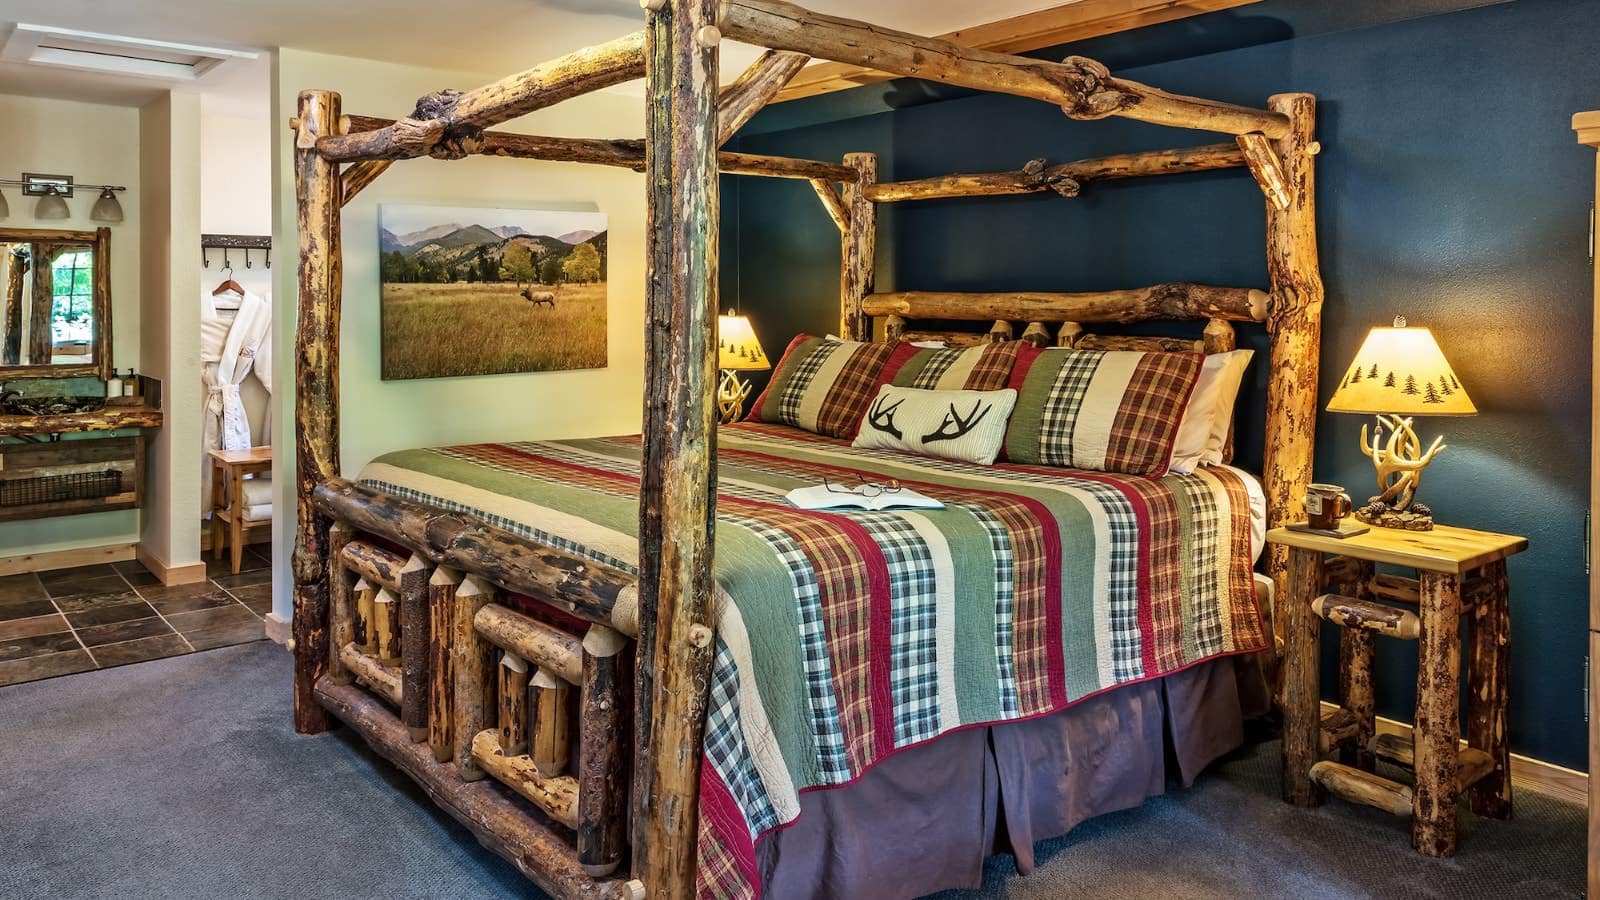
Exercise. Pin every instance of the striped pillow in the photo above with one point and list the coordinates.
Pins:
(823, 386)
(1111, 411)
(986, 367)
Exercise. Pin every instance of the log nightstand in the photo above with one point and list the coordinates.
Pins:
(1460, 571)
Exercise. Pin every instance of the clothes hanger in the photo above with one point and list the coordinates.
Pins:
(228, 283)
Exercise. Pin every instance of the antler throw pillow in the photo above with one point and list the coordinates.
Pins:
(964, 425)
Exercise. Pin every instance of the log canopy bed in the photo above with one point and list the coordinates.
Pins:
(536, 633)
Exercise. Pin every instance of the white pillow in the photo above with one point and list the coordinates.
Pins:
(1229, 380)
(969, 426)
(1212, 400)
(1195, 428)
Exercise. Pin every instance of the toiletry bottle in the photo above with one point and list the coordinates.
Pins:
(130, 384)
(114, 385)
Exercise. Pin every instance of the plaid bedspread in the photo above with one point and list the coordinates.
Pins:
(843, 637)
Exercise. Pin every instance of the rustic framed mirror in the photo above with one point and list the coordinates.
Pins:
(55, 312)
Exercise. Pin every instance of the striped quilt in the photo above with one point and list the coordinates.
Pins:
(844, 637)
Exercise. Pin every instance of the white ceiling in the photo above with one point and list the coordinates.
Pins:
(491, 37)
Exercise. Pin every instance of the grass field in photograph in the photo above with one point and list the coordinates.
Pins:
(440, 330)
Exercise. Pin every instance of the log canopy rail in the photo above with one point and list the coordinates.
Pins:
(450, 124)
(1066, 179)
(1054, 26)
(625, 153)
(1083, 88)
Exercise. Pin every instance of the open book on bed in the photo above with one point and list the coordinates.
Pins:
(823, 496)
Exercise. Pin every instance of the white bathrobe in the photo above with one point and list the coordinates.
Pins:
(229, 350)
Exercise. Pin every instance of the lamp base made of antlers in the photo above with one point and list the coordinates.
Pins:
(1399, 462)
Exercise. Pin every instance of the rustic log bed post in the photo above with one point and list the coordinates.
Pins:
(321, 283)
(425, 652)
(678, 508)
(1295, 326)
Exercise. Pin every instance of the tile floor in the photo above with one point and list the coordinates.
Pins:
(96, 617)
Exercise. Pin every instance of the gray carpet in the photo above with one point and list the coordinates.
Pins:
(182, 778)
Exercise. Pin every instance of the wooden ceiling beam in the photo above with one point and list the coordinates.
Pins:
(1074, 21)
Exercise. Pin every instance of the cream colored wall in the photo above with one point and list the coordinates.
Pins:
(100, 145)
(169, 154)
(380, 416)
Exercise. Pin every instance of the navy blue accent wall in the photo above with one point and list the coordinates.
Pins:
(1452, 191)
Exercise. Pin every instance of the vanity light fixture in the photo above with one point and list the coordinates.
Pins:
(53, 192)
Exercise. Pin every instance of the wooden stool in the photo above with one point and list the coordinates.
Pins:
(1459, 571)
(227, 498)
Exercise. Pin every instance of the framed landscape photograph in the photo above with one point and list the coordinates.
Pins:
(486, 291)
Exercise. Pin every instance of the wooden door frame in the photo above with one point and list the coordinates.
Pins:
(1587, 125)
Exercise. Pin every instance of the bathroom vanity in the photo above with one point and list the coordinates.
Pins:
(55, 330)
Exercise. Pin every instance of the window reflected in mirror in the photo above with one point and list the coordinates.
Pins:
(53, 314)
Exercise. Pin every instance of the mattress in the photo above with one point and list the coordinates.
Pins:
(844, 638)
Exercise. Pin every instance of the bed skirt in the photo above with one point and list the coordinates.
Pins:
(925, 819)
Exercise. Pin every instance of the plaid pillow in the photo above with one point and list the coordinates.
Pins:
(1111, 411)
(985, 367)
(823, 386)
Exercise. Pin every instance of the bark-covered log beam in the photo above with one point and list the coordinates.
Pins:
(450, 123)
(369, 670)
(739, 102)
(498, 820)
(378, 565)
(544, 646)
(832, 204)
(1064, 178)
(557, 797)
(357, 176)
(576, 584)
(1266, 167)
(1179, 300)
(628, 153)
(1082, 87)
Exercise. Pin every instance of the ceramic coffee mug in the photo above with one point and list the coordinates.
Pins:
(1326, 504)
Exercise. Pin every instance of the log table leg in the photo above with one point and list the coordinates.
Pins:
(1438, 720)
(1488, 671)
(1355, 686)
(1302, 718)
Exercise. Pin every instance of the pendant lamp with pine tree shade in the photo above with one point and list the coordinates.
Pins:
(1400, 373)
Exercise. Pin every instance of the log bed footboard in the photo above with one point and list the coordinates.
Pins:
(462, 691)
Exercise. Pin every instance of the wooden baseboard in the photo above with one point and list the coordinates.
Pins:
(192, 573)
(277, 629)
(1550, 779)
(65, 559)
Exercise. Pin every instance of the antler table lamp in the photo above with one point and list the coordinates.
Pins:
(737, 351)
(1399, 373)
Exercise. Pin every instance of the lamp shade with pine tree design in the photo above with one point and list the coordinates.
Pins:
(737, 347)
(1401, 371)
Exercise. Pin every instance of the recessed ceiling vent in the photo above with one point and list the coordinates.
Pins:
(115, 54)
